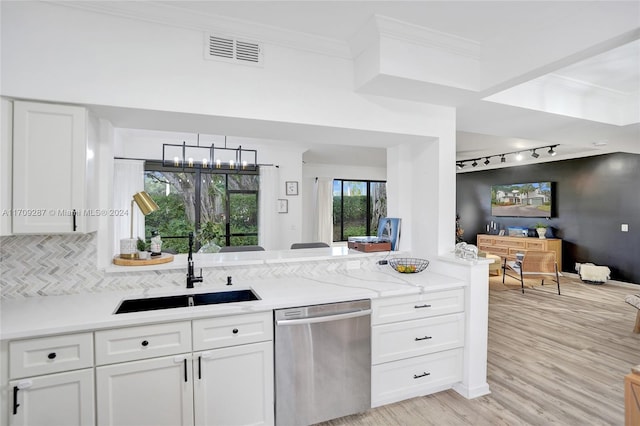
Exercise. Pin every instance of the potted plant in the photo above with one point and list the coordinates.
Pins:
(541, 229)
(142, 249)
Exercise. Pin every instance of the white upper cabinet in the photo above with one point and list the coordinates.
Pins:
(54, 169)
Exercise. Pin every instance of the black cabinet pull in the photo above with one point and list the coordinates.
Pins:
(75, 224)
(199, 368)
(423, 338)
(145, 343)
(422, 306)
(417, 376)
(52, 355)
(15, 400)
(185, 371)
(235, 331)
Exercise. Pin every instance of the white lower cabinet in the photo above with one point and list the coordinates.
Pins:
(153, 392)
(234, 385)
(416, 345)
(62, 399)
(228, 384)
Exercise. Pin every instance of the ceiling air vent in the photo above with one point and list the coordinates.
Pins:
(230, 49)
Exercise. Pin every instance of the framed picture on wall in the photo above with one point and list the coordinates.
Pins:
(291, 188)
(283, 205)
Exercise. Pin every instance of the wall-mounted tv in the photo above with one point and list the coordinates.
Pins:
(534, 199)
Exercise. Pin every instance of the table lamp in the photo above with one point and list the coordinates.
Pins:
(128, 246)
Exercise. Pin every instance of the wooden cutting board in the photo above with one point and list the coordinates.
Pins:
(155, 260)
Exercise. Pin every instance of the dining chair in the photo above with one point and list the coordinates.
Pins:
(228, 249)
(533, 264)
(308, 245)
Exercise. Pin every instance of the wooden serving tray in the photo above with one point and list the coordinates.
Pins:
(156, 260)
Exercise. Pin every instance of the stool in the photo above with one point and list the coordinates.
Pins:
(634, 300)
(496, 266)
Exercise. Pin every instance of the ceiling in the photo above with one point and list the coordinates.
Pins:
(563, 73)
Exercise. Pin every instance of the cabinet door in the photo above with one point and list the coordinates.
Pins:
(64, 399)
(234, 385)
(49, 168)
(152, 392)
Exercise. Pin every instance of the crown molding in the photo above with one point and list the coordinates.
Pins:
(181, 17)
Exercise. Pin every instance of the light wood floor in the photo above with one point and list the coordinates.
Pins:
(552, 360)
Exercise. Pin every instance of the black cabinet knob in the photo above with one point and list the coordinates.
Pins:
(52, 355)
(145, 343)
(235, 331)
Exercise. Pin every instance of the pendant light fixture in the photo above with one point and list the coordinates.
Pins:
(209, 157)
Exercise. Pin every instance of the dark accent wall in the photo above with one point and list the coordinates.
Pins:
(593, 196)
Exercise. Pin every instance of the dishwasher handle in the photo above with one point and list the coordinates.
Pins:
(324, 318)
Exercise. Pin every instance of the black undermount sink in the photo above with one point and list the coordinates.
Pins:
(185, 300)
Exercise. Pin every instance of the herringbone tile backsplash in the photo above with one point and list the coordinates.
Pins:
(47, 265)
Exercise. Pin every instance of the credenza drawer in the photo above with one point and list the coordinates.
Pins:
(394, 341)
(403, 308)
(220, 332)
(147, 341)
(33, 357)
(407, 378)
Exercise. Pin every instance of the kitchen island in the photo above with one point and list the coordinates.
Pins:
(90, 318)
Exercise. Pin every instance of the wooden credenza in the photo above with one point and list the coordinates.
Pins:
(507, 247)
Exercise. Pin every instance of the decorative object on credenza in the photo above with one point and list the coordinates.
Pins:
(541, 229)
(492, 228)
(129, 246)
(291, 188)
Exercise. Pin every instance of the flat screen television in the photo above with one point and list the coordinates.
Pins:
(534, 199)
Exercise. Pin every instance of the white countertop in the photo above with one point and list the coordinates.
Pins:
(248, 258)
(49, 315)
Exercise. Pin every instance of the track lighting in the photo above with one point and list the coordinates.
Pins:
(518, 156)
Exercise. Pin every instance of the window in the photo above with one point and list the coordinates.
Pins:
(220, 207)
(357, 207)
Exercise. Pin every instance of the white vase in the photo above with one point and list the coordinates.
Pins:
(541, 232)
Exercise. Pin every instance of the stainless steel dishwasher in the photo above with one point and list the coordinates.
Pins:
(322, 362)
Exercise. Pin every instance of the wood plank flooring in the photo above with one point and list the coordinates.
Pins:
(552, 360)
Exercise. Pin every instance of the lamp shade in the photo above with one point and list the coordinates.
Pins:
(145, 202)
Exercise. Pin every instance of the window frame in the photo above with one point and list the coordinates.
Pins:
(368, 203)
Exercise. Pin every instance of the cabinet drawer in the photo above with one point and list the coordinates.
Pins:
(398, 380)
(483, 239)
(34, 357)
(498, 251)
(417, 306)
(391, 342)
(520, 243)
(536, 245)
(220, 332)
(131, 343)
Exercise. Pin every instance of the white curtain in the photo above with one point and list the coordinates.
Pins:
(267, 216)
(128, 179)
(323, 209)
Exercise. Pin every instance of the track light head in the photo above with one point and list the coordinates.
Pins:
(519, 156)
(475, 163)
(502, 159)
(534, 154)
(486, 161)
(459, 165)
(552, 152)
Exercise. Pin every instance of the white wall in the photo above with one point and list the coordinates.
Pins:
(112, 61)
